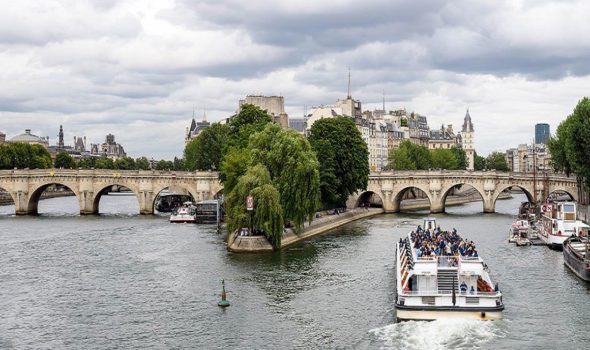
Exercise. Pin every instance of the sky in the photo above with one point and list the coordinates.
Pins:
(138, 68)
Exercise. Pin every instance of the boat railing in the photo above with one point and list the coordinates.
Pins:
(448, 261)
(448, 292)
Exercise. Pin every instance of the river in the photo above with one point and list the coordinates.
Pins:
(125, 281)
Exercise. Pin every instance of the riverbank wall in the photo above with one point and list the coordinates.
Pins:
(5, 198)
(259, 244)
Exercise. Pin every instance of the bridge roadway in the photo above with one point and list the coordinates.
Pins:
(26, 186)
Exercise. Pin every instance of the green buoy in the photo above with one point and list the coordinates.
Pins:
(223, 302)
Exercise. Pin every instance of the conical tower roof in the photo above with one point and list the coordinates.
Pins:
(467, 124)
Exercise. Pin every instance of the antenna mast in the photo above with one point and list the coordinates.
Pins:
(349, 82)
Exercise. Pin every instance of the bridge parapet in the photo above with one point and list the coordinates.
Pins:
(26, 185)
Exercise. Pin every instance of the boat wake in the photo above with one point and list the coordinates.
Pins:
(439, 334)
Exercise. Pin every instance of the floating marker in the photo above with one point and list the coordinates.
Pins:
(223, 302)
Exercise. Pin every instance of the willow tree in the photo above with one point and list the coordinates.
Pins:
(268, 213)
(293, 168)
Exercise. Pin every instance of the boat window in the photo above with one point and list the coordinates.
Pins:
(568, 208)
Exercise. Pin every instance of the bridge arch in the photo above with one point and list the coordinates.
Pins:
(448, 189)
(401, 191)
(556, 191)
(104, 188)
(528, 192)
(369, 198)
(9, 193)
(160, 188)
(36, 192)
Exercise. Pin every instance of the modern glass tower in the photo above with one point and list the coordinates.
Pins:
(542, 133)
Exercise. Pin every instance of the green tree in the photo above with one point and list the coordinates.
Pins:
(104, 163)
(444, 159)
(268, 213)
(206, 150)
(497, 160)
(343, 158)
(64, 160)
(234, 164)
(249, 121)
(479, 162)
(399, 159)
(87, 163)
(293, 168)
(23, 155)
(460, 156)
(142, 163)
(165, 165)
(409, 156)
(124, 163)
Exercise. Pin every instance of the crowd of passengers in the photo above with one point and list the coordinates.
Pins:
(438, 242)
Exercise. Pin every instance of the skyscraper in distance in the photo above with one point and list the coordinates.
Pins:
(542, 133)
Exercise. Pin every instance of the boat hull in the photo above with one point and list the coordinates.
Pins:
(577, 266)
(436, 313)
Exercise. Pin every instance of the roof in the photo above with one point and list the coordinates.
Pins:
(467, 124)
(27, 137)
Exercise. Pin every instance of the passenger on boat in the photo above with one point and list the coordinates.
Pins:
(472, 291)
(464, 287)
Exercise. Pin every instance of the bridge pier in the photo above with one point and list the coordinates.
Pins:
(87, 203)
(489, 206)
(437, 207)
(21, 203)
(146, 202)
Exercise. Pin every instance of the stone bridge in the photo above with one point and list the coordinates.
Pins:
(26, 186)
(391, 186)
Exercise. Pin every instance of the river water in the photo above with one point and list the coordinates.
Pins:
(125, 281)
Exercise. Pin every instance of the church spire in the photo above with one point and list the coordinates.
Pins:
(60, 142)
(348, 96)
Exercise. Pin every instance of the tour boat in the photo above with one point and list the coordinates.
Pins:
(558, 222)
(439, 285)
(576, 254)
(185, 213)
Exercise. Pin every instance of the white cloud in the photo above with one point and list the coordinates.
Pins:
(136, 68)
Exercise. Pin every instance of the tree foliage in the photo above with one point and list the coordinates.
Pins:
(461, 157)
(444, 159)
(479, 162)
(571, 145)
(409, 156)
(249, 121)
(293, 168)
(343, 158)
(142, 163)
(497, 160)
(64, 160)
(23, 155)
(206, 150)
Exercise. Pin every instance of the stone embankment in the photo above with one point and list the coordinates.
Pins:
(259, 244)
(5, 198)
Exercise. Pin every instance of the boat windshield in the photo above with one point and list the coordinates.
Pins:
(568, 208)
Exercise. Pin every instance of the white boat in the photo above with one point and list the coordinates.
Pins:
(516, 229)
(558, 222)
(184, 214)
(434, 285)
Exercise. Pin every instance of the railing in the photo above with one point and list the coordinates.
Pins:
(448, 292)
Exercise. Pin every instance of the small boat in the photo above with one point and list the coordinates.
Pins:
(209, 211)
(523, 239)
(517, 228)
(558, 222)
(576, 253)
(184, 214)
(436, 280)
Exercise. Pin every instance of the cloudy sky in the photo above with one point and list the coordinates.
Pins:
(136, 68)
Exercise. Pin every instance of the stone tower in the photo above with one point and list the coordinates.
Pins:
(60, 142)
(467, 140)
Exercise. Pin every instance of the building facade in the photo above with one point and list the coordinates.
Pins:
(273, 105)
(109, 148)
(195, 128)
(542, 133)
